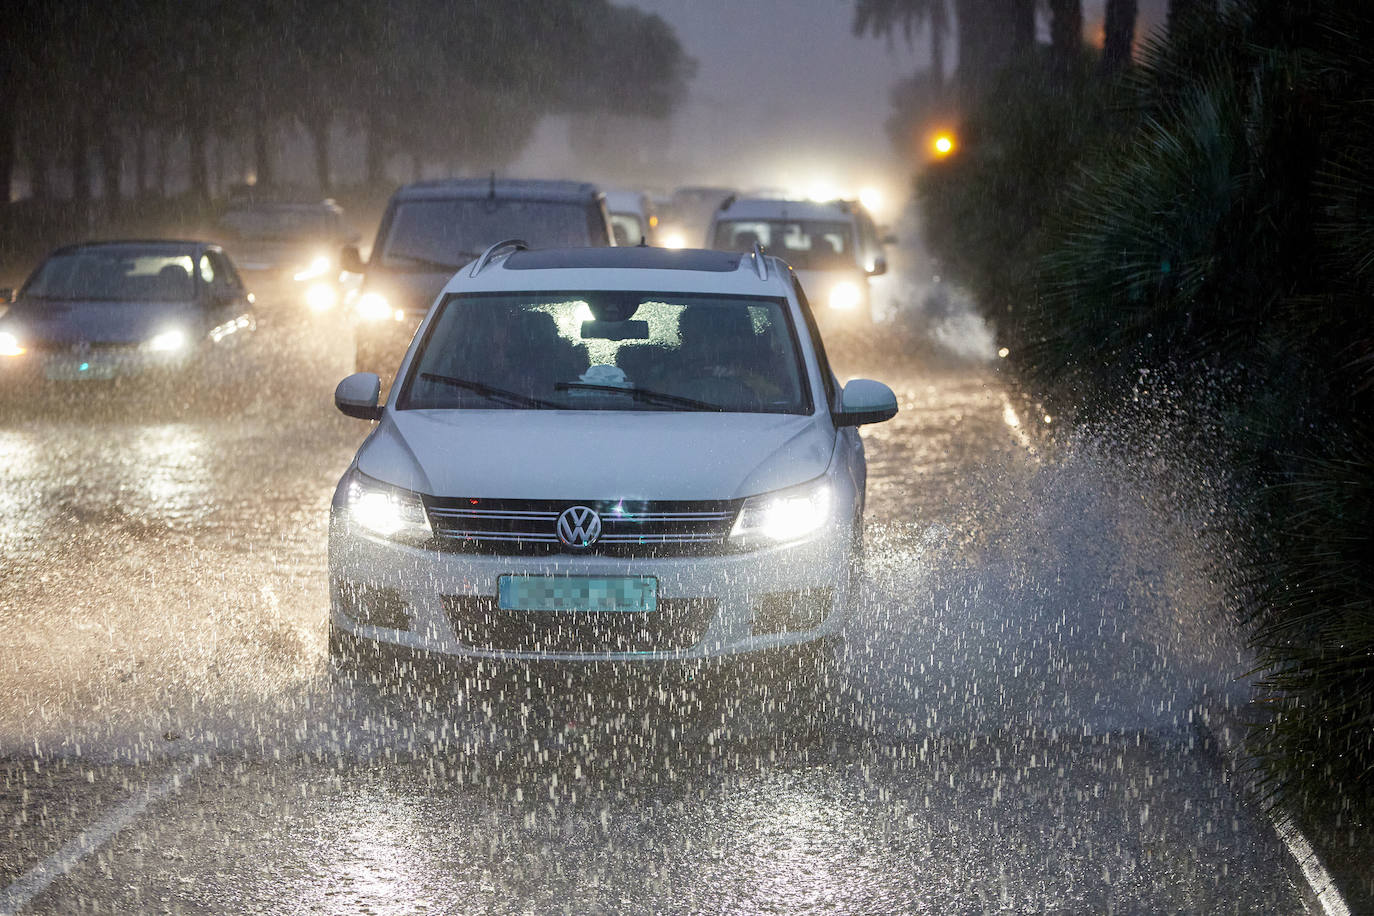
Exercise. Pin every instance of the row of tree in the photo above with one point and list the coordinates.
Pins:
(98, 84)
(991, 34)
(1205, 223)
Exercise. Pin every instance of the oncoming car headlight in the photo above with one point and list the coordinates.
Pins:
(318, 267)
(374, 307)
(169, 341)
(845, 296)
(786, 515)
(9, 345)
(381, 510)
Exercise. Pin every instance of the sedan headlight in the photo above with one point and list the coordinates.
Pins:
(321, 297)
(845, 296)
(9, 344)
(318, 267)
(170, 341)
(374, 307)
(384, 511)
(786, 515)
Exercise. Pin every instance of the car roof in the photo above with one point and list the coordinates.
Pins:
(683, 270)
(145, 244)
(772, 208)
(507, 188)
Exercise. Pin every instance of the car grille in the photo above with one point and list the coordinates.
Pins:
(677, 624)
(629, 528)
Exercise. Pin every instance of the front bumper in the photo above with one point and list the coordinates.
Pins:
(710, 606)
(100, 364)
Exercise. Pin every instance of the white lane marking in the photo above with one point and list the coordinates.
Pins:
(1318, 878)
(37, 879)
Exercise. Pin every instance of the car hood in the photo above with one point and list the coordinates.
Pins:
(586, 455)
(816, 282)
(274, 254)
(60, 323)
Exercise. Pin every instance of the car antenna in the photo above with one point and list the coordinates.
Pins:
(643, 242)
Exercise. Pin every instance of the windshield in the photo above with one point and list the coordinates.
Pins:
(113, 275)
(609, 351)
(428, 233)
(280, 223)
(805, 244)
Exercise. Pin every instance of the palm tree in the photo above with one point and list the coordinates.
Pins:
(882, 18)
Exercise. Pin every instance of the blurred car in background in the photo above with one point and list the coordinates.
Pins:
(689, 213)
(289, 251)
(431, 229)
(108, 310)
(834, 247)
(634, 218)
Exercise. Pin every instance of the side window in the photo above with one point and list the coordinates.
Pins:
(224, 272)
(207, 270)
(827, 374)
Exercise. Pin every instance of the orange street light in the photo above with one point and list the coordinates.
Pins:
(943, 144)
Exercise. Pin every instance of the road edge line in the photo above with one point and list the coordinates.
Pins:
(33, 882)
(1224, 727)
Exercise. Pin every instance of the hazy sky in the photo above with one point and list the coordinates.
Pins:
(786, 96)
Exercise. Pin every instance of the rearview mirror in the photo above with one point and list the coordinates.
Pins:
(865, 401)
(879, 267)
(615, 330)
(351, 261)
(356, 396)
(890, 239)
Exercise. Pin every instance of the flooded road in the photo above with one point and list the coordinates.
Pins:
(1018, 717)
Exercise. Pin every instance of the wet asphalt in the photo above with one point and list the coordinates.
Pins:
(1019, 719)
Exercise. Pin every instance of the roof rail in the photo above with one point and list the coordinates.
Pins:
(485, 259)
(760, 262)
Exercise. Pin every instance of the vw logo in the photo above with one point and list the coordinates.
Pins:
(579, 527)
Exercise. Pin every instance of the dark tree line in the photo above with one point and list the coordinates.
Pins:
(115, 89)
(992, 34)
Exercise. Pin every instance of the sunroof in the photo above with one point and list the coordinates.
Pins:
(641, 258)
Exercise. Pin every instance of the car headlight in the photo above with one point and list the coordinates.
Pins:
(786, 515)
(321, 297)
(9, 344)
(317, 267)
(168, 341)
(674, 239)
(374, 307)
(382, 510)
(845, 296)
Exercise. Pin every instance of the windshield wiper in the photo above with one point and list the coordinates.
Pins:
(489, 391)
(419, 261)
(643, 394)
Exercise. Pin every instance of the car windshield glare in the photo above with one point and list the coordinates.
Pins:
(115, 275)
(609, 350)
(424, 234)
(804, 244)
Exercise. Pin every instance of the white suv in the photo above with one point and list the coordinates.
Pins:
(604, 453)
(834, 246)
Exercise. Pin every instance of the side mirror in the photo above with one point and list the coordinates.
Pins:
(879, 267)
(356, 396)
(350, 260)
(865, 401)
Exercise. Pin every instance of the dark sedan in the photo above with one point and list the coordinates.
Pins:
(107, 310)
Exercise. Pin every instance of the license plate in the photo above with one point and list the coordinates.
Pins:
(77, 369)
(577, 593)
